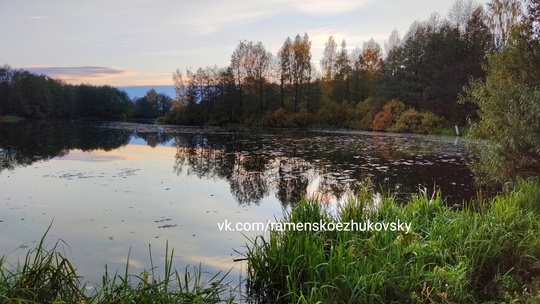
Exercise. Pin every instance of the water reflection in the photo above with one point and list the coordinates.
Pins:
(22, 144)
(285, 164)
(295, 164)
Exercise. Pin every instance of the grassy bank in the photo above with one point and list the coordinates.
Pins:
(450, 256)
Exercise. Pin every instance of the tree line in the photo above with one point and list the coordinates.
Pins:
(423, 72)
(25, 94)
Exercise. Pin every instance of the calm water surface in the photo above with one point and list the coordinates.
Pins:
(113, 188)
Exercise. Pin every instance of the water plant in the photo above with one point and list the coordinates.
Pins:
(46, 276)
(451, 255)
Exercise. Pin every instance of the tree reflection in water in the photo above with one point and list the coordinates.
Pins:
(24, 143)
(287, 164)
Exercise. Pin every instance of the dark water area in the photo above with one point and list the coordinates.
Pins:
(287, 164)
(111, 188)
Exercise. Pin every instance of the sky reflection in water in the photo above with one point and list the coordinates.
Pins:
(104, 204)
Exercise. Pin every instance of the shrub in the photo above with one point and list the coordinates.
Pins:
(408, 121)
(279, 118)
(365, 112)
(388, 115)
(430, 122)
(301, 118)
(331, 113)
(416, 122)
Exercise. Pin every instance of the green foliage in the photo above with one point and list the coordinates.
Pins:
(153, 105)
(435, 60)
(45, 276)
(331, 114)
(509, 109)
(430, 122)
(37, 96)
(409, 121)
(364, 113)
(450, 256)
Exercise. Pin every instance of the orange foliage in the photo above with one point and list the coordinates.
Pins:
(388, 115)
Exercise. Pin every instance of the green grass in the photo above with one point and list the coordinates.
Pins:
(9, 118)
(46, 276)
(487, 252)
(452, 256)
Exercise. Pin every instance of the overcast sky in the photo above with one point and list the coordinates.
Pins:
(142, 42)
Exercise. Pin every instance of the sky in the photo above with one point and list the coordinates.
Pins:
(142, 42)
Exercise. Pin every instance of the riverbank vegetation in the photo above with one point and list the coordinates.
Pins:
(508, 100)
(47, 276)
(488, 251)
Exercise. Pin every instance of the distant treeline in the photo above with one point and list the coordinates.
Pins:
(423, 73)
(38, 96)
(25, 94)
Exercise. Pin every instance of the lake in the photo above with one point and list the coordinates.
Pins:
(109, 189)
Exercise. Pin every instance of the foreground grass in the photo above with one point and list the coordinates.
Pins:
(46, 276)
(451, 256)
(481, 254)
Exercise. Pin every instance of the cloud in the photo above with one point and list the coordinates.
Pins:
(329, 7)
(80, 74)
(215, 17)
(34, 17)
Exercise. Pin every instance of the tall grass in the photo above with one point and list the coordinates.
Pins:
(46, 276)
(451, 256)
(486, 253)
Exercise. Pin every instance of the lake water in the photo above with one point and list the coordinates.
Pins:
(109, 189)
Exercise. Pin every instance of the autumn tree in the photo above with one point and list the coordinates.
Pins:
(393, 42)
(285, 58)
(371, 62)
(503, 15)
(388, 116)
(295, 69)
(301, 64)
(341, 74)
(329, 58)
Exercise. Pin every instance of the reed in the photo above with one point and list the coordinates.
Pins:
(46, 276)
(450, 256)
